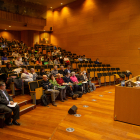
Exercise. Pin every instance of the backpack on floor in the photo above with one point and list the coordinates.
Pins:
(44, 100)
(79, 93)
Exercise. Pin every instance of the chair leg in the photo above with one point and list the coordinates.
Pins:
(12, 86)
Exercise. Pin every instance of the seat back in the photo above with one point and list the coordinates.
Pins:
(39, 83)
(33, 85)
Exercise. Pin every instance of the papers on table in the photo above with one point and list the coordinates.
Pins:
(84, 82)
(50, 89)
(12, 105)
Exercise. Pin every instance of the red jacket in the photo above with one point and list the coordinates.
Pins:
(60, 81)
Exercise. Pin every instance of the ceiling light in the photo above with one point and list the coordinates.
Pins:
(9, 26)
(61, 3)
(51, 7)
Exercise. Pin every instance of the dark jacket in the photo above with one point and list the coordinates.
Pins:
(3, 99)
(67, 79)
(45, 85)
(8, 70)
(81, 78)
(61, 72)
(66, 70)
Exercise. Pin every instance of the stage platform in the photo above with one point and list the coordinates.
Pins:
(50, 123)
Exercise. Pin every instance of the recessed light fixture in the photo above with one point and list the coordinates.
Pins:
(9, 26)
(61, 3)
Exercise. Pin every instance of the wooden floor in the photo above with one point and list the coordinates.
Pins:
(96, 122)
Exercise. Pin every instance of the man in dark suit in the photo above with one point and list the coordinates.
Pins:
(68, 70)
(5, 100)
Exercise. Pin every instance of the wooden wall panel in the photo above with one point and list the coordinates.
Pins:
(11, 35)
(109, 30)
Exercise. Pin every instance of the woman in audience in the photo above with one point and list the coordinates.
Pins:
(66, 60)
(62, 90)
(75, 82)
(91, 85)
(27, 77)
(25, 63)
(39, 62)
(8, 68)
(42, 72)
(50, 62)
(84, 83)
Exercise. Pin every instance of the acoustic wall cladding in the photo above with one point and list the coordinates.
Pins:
(104, 29)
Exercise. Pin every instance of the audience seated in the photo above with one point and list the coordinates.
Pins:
(8, 69)
(42, 72)
(66, 60)
(39, 62)
(15, 54)
(50, 62)
(97, 61)
(5, 99)
(62, 71)
(54, 71)
(68, 69)
(56, 61)
(18, 62)
(25, 63)
(4, 57)
(84, 83)
(68, 84)
(27, 77)
(32, 70)
(75, 82)
(56, 86)
(47, 85)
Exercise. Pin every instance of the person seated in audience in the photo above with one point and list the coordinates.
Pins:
(56, 61)
(54, 71)
(42, 72)
(84, 58)
(18, 62)
(27, 77)
(68, 69)
(5, 100)
(37, 54)
(25, 63)
(54, 53)
(15, 54)
(57, 51)
(8, 69)
(32, 58)
(85, 84)
(47, 85)
(69, 87)
(39, 62)
(97, 61)
(32, 70)
(4, 57)
(75, 82)
(62, 71)
(50, 62)
(26, 53)
(66, 60)
(41, 58)
(55, 85)
(80, 58)
(20, 51)
(91, 85)
(46, 61)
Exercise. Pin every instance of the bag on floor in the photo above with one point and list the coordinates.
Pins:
(44, 100)
(79, 93)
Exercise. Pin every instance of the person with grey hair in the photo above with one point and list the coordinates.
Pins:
(91, 85)
(54, 71)
(18, 62)
(5, 101)
(32, 70)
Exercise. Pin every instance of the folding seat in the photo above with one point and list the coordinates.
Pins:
(117, 69)
(35, 91)
(107, 65)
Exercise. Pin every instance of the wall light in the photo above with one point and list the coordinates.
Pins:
(51, 7)
(61, 3)
(9, 26)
